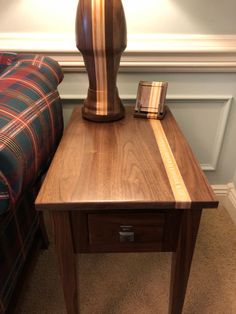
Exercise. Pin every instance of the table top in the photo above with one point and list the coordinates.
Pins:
(133, 163)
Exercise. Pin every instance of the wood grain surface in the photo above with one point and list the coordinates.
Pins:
(182, 259)
(176, 181)
(101, 38)
(121, 165)
(66, 258)
(148, 231)
(150, 102)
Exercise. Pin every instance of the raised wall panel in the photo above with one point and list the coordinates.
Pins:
(203, 121)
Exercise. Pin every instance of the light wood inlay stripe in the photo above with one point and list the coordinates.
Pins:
(176, 181)
(99, 45)
(154, 100)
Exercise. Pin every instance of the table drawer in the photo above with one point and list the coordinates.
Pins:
(125, 232)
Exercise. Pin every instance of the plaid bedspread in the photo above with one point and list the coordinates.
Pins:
(31, 126)
(30, 121)
(17, 233)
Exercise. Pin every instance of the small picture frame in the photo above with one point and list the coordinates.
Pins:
(150, 101)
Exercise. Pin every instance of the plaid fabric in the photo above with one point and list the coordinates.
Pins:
(30, 129)
(17, 231)
(30, 122)
(47, 66)
(6, 59)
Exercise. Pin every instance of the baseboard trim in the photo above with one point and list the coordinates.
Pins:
(226, 194)
(232, 194)
(220, 190)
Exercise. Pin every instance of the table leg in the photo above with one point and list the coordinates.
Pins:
(66, 257)
(182, 258)
(43, 232)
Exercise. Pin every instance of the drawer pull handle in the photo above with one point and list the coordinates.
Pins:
(126, 236)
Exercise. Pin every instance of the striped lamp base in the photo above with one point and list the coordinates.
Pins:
(101, 37)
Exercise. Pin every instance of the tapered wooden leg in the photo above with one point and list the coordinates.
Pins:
(182, 258)
(43, 232)
(66, 257)
(1, 307)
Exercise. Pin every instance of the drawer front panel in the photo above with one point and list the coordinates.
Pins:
(125, 232)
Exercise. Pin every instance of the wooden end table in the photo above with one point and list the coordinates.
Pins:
(126, 186)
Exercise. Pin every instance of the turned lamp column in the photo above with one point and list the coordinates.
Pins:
(101, 38)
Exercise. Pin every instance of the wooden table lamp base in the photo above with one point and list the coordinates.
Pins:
(101, 38)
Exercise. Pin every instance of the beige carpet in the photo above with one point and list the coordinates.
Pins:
(139, 283)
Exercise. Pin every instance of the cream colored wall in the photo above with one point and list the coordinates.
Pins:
(201, 70)
(234, 181)
(151, 16)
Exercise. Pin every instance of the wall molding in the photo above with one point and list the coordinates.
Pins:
(226, 194)
(222, 124)
(152, 52)
(219, 136)
(221, 130)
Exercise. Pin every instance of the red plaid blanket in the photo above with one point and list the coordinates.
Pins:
(30, 121)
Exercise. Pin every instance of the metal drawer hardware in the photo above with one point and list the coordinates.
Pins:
(126, 235)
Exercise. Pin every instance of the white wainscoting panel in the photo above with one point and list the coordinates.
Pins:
(203, 120)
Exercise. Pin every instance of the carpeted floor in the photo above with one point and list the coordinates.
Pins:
(139, 283)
